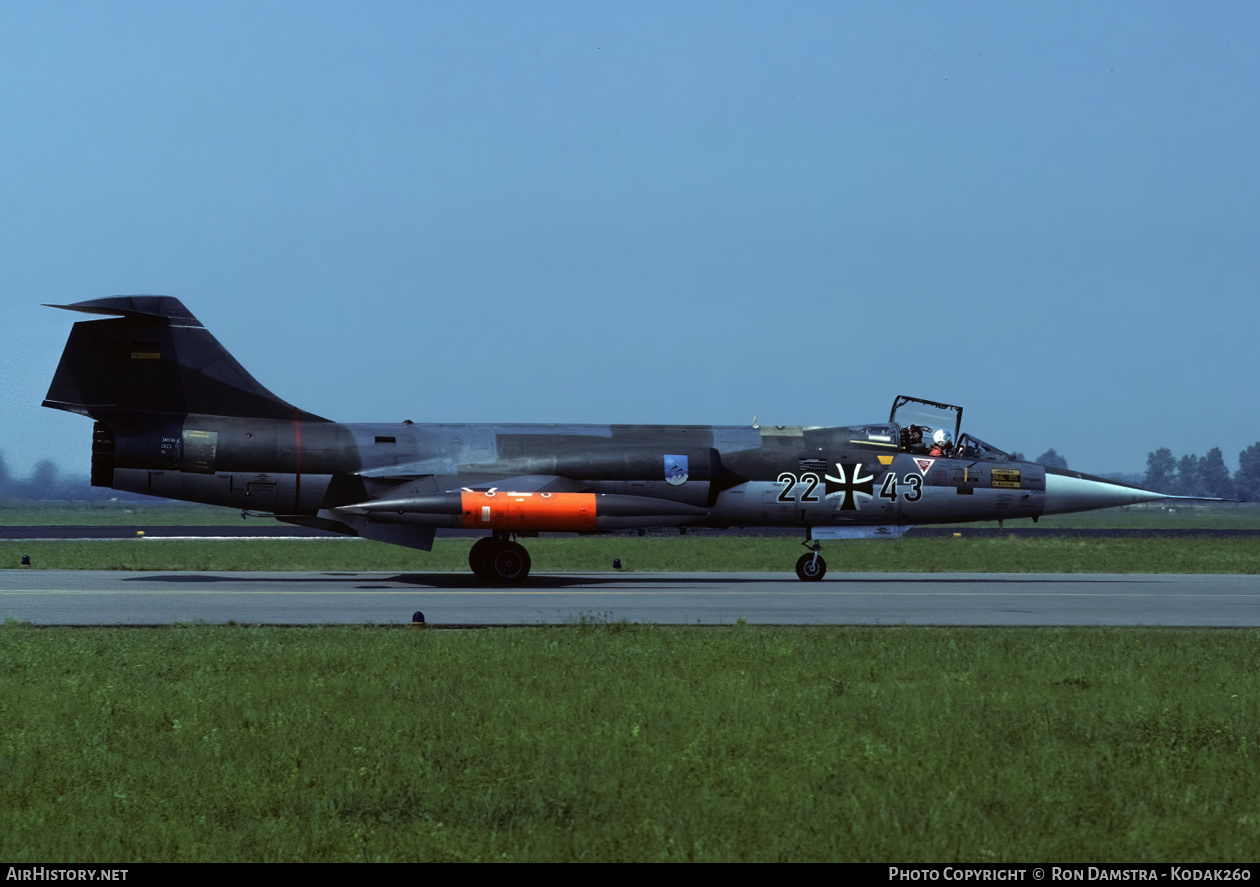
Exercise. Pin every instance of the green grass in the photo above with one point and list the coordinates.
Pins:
(1231, 516)
(667, 553)
(616, 742)
(155, 513)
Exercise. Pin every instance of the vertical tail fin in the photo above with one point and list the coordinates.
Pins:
(155, 357)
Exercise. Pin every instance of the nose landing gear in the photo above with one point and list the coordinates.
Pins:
(811, 567)
(498, 559)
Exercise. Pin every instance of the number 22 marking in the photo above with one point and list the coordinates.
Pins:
(789, 482)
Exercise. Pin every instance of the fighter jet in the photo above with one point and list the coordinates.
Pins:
(177, 417)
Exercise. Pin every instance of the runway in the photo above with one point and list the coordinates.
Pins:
(455, 599)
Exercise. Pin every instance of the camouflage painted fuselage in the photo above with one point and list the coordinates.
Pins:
(740, 476)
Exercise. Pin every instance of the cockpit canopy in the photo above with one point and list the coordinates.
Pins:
(920, 419)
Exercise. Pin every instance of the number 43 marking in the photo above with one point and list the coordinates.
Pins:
(889, 489)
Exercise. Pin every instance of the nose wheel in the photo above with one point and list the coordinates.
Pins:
(499, 560)
(811, 567)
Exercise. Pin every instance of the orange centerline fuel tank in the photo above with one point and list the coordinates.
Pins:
(497, 510)
(529, 512)
(556, 512)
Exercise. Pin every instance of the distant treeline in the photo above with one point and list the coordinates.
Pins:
(1205, 475)
(47, 482)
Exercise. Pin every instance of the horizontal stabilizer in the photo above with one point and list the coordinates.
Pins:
(167, 307)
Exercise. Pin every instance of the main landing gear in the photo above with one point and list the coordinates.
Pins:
(498, 559)
(811, 567)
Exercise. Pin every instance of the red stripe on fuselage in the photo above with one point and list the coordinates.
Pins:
(297, 465)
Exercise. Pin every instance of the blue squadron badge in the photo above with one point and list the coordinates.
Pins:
(675, 470)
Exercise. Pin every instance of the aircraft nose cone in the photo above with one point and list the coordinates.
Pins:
(1069, 491)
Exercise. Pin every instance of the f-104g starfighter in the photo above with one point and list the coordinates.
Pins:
(176, 416)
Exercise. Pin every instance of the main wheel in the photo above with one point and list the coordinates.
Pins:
(811, 567)
(479, 558)
(509, 563)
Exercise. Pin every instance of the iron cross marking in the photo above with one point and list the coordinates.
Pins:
(851, 485)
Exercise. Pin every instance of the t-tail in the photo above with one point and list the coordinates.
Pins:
(178, 417)
(155, 357)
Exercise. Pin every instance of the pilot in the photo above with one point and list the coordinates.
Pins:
(912, 438)
(942, 443)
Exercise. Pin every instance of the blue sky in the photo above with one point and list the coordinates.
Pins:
(654, 212)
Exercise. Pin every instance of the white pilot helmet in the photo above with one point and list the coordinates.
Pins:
(942, 437)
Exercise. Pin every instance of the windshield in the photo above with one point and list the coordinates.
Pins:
(974, 448)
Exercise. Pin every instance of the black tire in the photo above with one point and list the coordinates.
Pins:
(811, 569)
(509, 563)
(479, 558)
